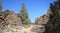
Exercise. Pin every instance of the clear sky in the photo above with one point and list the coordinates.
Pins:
(35, 8)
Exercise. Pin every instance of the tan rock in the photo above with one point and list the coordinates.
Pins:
(43, 19)
(8, 18)
(13, 18)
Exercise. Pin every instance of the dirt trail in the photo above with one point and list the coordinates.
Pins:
(22, 29)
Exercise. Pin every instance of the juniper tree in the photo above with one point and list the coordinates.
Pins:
(53, 25)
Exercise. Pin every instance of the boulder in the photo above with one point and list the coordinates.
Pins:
(38, 28)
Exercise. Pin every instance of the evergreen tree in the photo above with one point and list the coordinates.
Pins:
(36, 20)
(0, 6)
(24, 15)
(54, 18)
(30, 21)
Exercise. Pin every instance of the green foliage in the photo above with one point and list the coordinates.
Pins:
(54, 18)
(36, 20)
(0, 6)
(24, 15)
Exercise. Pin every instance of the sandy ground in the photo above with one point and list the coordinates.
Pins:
(21, 29)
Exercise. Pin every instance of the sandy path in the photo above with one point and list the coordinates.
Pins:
(22, 29)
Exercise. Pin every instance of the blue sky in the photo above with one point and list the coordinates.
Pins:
(35, 8)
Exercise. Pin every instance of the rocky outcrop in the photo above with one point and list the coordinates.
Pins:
(13, 19)
(38, 29)
(43, 19)
(2, 22)
(8, 18)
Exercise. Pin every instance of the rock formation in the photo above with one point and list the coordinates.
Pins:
(43, 19)
(13, 18)
(10, 22)
(8, 18)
